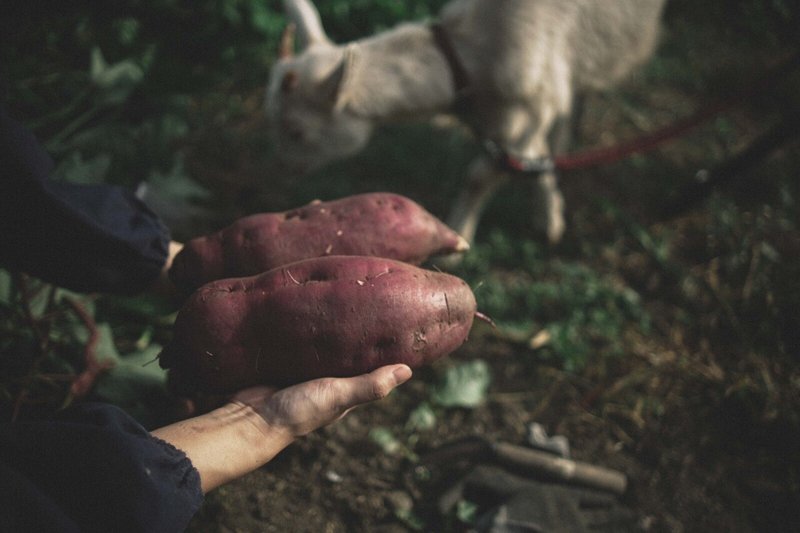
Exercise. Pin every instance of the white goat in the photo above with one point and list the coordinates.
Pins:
(513, 65)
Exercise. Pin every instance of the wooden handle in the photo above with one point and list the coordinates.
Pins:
(567, 470)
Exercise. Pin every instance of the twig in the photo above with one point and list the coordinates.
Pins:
(41, 338)
(45, 320)
(84, 381)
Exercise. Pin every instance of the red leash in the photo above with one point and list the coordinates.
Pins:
(612, 154)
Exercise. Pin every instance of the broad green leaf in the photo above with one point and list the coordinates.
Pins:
(105, 349)
(132, 377)
(464, 385)
(136, 384)
(150, 307)
(177, 185)
(422, 418)
(385, 440)
(116, 82)
(146, 362)
(38, 296)
(76, 169)
(466, 511)
(86, 302)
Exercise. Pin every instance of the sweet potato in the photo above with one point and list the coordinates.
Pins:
(327, 316)
(377, 224)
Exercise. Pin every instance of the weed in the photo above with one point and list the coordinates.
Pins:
(584, 311)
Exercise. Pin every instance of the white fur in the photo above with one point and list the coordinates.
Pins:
(526, 61)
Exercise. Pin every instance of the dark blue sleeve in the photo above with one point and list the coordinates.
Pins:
(93, 468)
(89, 238)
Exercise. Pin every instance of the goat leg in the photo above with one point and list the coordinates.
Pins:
(483, 180)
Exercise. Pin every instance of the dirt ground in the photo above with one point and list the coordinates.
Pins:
(699, 456)
(691, 470)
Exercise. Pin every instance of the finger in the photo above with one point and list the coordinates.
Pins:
(370, 387)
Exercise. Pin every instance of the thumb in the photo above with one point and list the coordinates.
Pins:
(373, 386)
(308, 406)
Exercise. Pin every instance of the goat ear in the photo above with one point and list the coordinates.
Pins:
(331, 87)
(286, 48)
(309, 26)
(289, 82)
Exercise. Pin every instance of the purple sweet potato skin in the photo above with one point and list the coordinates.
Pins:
(375, 224)
(331, 316)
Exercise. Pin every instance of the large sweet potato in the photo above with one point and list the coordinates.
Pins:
(376, 224)
(327, 316)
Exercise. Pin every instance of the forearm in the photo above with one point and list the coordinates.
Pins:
(226, 443)
(260, 422)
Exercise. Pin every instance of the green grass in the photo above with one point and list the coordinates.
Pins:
(585, 312)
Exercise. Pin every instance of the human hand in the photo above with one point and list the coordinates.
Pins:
(300, 409)
(257, 423)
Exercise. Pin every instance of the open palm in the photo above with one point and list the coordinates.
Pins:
(300, 409)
